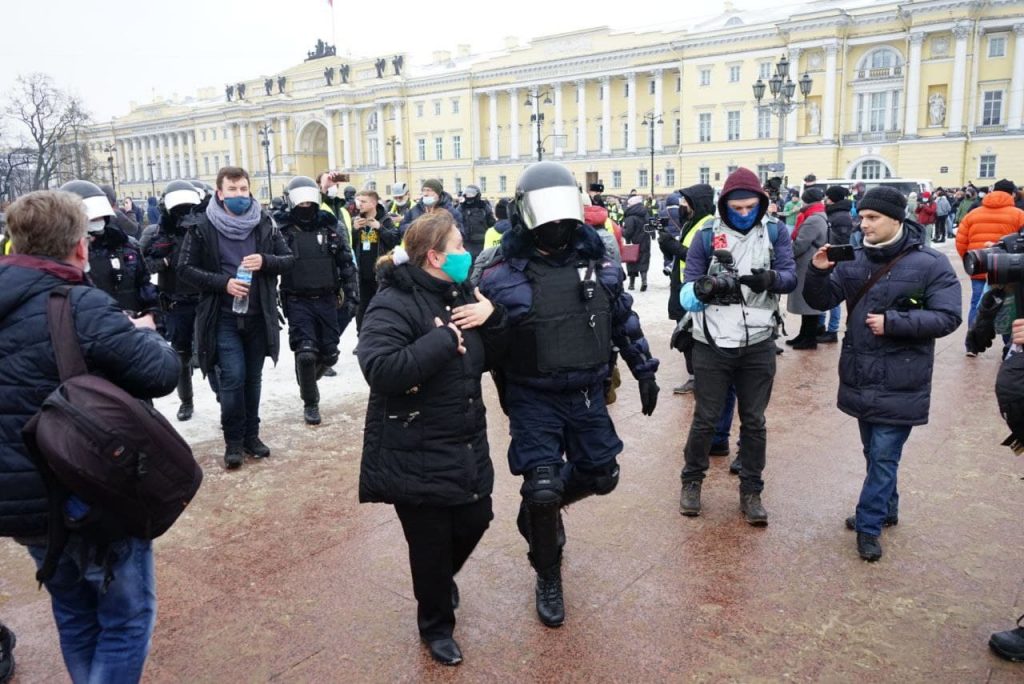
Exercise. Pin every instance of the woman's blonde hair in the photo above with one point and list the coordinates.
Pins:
(428, 232)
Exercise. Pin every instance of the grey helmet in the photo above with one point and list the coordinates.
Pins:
(546, 192)
(302, 189)
(180, 193)
(399, 190)
(97, 206)
(205, 190)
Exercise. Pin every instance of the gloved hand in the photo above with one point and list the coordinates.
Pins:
(759, 280)
(648, 395)
(981, 334)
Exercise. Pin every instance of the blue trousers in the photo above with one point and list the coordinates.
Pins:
(104, 635)
(241, 349)
(879, 498)
(833, 316)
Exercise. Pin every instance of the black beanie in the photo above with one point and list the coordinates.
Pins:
(885, 200)
(837, 193)
(434, 185)
(1005, 186)
(812, 196)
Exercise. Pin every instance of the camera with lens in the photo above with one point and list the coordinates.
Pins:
(1002, 263)
(656, 223)
(722, 288)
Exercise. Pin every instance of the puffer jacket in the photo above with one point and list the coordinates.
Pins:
(634, 231)
(507, 283)
(425, 440)
(419, 209)
(888, 378)
(996, 218)
(138, 361)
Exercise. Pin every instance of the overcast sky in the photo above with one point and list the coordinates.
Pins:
(116, 51)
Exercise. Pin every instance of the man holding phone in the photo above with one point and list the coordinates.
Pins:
(373, 236)
(900, 295)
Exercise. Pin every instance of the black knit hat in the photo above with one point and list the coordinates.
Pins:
(837, 193)
(812, 196)
(434, 184)
(885, 200)
(1003, 185)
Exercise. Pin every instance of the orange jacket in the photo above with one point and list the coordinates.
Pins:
(994, 219)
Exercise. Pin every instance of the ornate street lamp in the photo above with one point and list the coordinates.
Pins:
(782, 103)
(265, 131)
(651, 120)
(534, 100)
(393, 142)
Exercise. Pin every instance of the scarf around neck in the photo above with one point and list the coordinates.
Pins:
(815, 208)
(230, 226)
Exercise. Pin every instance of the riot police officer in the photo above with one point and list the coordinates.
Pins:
(178, 299)
(323, 267)
(566, 309)
(116, 265)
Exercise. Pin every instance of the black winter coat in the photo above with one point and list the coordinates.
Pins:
(633, 232)
(888, 378)
(387, 239)
(477, 217)
(701, 198)
(840, 222)
(139, 361)
(425, 441)
(199, 265)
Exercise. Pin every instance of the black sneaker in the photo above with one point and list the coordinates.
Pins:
(752, 509)
(1009, 644)
(256, 448)
(889, 521)
(689, 499)
(311, 414)
(233, 456)
(868, 547)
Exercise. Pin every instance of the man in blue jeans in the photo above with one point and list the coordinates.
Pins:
(901, 295)
(103, 595)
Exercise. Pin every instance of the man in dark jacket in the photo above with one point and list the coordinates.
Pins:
(309, 292)
(734, 330)
(432, 198)
(373, 236)
(477, 217)
(840, 228)
(885, 370)
(127, 223)
(104, 626)
(635, 231)
(560, 345)
(236, 321)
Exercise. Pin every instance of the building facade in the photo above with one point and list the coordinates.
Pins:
(931, 90)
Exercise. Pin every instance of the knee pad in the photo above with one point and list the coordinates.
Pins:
(582, 483)
(305, 358)
(543, 486)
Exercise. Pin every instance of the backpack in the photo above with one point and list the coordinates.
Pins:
(111, 451)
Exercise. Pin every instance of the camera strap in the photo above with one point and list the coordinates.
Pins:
(875, 277)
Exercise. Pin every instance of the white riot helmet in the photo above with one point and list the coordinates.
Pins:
(302, 189)
(180, 194)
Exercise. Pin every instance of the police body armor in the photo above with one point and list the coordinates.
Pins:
(569, 325)
(109, 272)
(315, 270)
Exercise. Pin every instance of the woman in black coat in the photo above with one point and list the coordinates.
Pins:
(426, 341)
(634, 231)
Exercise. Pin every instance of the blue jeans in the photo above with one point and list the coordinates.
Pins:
(977, 290)
(834, 316)
(240, 355)
(104, 635)
(883, 446)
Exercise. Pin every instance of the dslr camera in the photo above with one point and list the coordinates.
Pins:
(1002, 263)
(656, 223)
(722, 288)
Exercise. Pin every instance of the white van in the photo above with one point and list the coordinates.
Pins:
(904, 185)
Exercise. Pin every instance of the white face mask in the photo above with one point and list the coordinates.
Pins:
(97, 226)
(332, 191)
(429, 201)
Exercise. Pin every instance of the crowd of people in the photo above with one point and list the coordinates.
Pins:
(534, 290)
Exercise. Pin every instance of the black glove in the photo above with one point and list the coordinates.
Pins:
(648, 395)
(981, 334)
(759, 280)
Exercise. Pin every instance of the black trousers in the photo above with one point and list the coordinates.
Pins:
(367, 288)
(752, 370)
(440, 540)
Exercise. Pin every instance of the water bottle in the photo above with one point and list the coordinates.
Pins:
(241, 304)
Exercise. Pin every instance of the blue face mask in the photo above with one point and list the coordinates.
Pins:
(457, 266)
(238, 205)
(734, 219)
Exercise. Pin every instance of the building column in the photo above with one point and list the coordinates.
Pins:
(493, 124)
(331, 161)
(794, 74)
(401, 149)
(165, 156)
(659, 112)
(913, 94)
(346, 140)
(381, 138)
(513, 124)
(243, 141)
(151, 171)
(179, 144)
(631, 114)
(138, 147)
(130, 154)
(828, 114)
(357, 120)
(581, 118)
(559, 129)
(475, 115)
(193, 163)
(231, 146)
(606, 116)
(122, 163)
(956, 99)
(1016, 113)
(282, 127)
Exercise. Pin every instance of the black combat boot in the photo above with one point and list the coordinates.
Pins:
(550, 602)
(753, 511)
(306, 367)
(689, 499)
(255, 447)
(1009, 644)
(868, 547)
(311, 414)
(233, 455)
(185, 387)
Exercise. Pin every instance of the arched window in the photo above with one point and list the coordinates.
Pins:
(871, 169)
(882, 62)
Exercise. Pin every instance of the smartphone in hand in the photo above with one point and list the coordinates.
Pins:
(840, 253)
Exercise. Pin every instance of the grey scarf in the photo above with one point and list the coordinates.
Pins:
(230, 226)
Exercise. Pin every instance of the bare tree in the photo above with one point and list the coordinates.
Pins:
(52, 120)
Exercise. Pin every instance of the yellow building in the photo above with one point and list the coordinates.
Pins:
(929, 90)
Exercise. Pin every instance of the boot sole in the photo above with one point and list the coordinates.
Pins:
(689, 512)
(756, 522)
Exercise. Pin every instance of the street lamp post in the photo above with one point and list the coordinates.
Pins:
(783, 102)
(651, 120)
(110, 148)
(265, 131)
(393, 142)
(152, 182)
(534, 99)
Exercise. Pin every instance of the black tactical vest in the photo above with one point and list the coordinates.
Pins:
(564, 330)
(168, 280)
(315, 271)
(113, 273)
